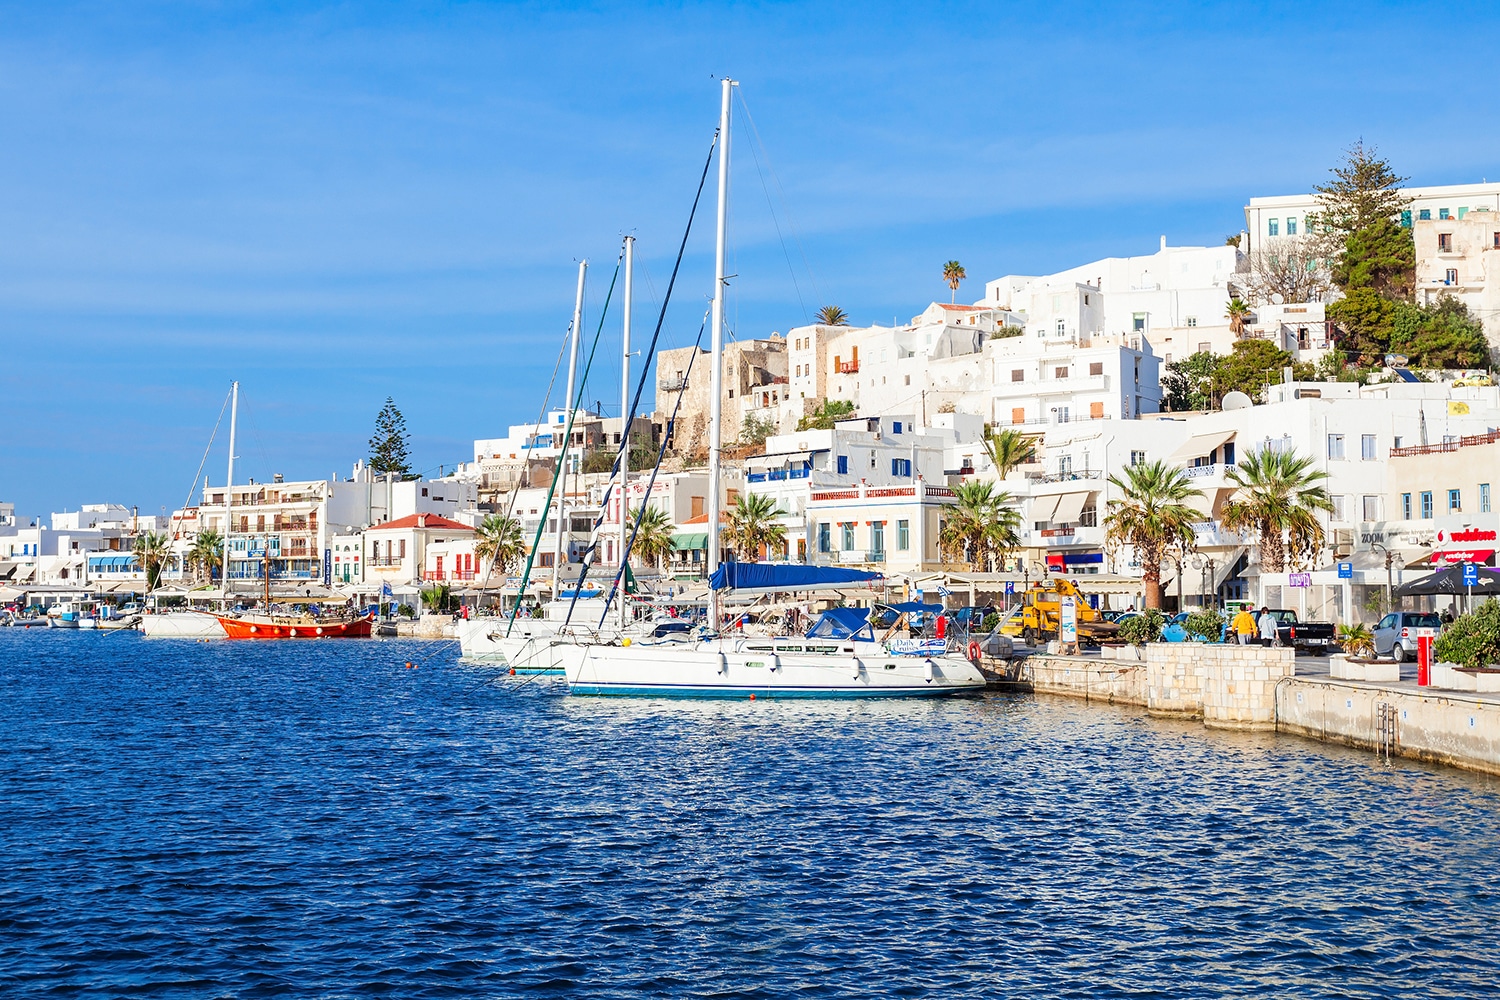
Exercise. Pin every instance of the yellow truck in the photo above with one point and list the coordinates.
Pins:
(1039, 616)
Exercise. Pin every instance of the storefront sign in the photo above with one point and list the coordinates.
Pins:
(1452, 556)
(1068, 631)
(1299, 580)
(1467, 535)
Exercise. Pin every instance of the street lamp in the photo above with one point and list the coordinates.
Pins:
(1390, 590)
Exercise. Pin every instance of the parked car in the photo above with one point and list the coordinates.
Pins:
(1312, 637)
(1397, 633)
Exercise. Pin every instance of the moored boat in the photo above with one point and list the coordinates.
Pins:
(278, 627)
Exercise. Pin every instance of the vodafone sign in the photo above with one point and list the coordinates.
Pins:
(1467, 535)
(1482, 556)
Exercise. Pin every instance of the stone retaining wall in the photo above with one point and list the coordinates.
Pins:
(1443, 726)
(1230, 686)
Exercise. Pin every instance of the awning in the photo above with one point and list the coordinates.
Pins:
(1069, 506)
(1199, 445)
(1208, 503)
(688, 542)
(778, 461)
(1042, 507)
(111, 562)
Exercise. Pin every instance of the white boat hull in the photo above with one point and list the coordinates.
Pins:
(742, 668)
(182, 625)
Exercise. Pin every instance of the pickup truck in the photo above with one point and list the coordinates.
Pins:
(1313, 637)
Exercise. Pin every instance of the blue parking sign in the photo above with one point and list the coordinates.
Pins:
(1346, 571)
(1010, 587)
(1471, 575)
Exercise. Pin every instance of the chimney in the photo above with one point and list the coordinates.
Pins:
(1163, 242)
(421, 520)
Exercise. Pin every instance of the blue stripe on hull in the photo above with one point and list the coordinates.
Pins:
(690, 691)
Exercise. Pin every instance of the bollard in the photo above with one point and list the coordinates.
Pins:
(1424, 660)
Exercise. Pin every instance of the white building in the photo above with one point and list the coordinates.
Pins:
(1459, 256)
(1286, 215)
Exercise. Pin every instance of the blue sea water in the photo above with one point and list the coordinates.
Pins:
(313, 819)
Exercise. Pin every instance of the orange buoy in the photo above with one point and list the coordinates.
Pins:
(408, 665)
(513, 671)
(752, 697)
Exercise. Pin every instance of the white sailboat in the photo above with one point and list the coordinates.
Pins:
(736, 666)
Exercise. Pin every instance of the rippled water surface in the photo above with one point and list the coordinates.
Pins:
(314, 819)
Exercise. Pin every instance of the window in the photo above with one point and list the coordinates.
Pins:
(1335, 447)
(1455, 501)
(843, 465)
(1273, 228)
(1443, 213)
(1096, 411)
(1339, 506)
(903, 535)
(877, 536)
(1367, 447)
(1096, 367)
(1406, 218)
(908, 380)
(824, 542)
(895, 427)
(1445, 242)
(1137, 458)
(1017, 375)
(1062, 413)
(1138, 322)
(1089, 516)
(1192, 321)
(1450, 276)
(901, 467)
(1406, 506)
(1372, 508)
(1426, 505)
(1061, 371)
(1496, 239)
(1424, 214)
(1062, 328)
(1205, 347)
(848, 538)
(1229, 453)
(1065, 465)
(1018, 415)
(1291, 227)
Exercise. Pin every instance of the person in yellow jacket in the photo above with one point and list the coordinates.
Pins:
(1244, 626)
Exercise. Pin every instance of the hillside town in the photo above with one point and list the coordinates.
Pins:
(1328, 421)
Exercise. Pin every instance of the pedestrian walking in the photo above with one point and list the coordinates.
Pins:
(1244, 626)
(1268, 625)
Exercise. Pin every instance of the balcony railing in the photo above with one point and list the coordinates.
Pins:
(672, 384)
(1064, 477)
(451, 575)
(1444, 446)
(848, 367)
(777, 475)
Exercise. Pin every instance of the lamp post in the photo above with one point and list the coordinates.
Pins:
(1390, 589)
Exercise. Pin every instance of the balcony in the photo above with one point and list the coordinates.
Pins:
(1445, 446)
(449, 576)
(1207, 471)
(853, 556)
(778, 475)
(1068, 476)
(847, 367)
(673, 384)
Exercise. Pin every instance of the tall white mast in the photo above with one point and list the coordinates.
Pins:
(234, 416)
(567, 422)
(716, 358)
(625, 420)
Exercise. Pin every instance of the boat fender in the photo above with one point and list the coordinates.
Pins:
(927, 672)
(254, 628)
(625, 641)
(724, 665)
(775, 662)
(973, 651)
(857, 668)
(320, 630)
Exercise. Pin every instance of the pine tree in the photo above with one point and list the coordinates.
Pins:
(1364, 191)
(388, 448)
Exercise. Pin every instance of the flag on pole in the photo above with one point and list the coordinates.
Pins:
(944, 591)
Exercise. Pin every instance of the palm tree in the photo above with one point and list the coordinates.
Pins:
(980, 526)
(438, 597)
(832, 316)
(1150, 516)
(498, 543)
(953, 273)
(1238, 313)
(1277, 497)
(207, 552)
(1008, 449)
(753, 523)
(152, 551)
(653, 538)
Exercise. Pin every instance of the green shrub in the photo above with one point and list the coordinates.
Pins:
(1206, 626)
(1144, 627)
(1474, 639)
(1356, 640)
(989, 623)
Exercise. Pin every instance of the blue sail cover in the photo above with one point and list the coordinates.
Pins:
(843, 623)
(779, 577)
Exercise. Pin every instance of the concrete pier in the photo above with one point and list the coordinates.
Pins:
(1252, 687)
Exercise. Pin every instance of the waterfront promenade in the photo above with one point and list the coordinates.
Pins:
(1250, 687)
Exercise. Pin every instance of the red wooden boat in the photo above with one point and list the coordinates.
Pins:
(267, 627)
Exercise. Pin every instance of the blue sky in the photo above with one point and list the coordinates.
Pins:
(335, 203)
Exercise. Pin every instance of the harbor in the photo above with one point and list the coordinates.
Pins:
(223, 796)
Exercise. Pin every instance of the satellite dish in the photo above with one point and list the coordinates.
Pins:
(1237, 401)
(1277, 298)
